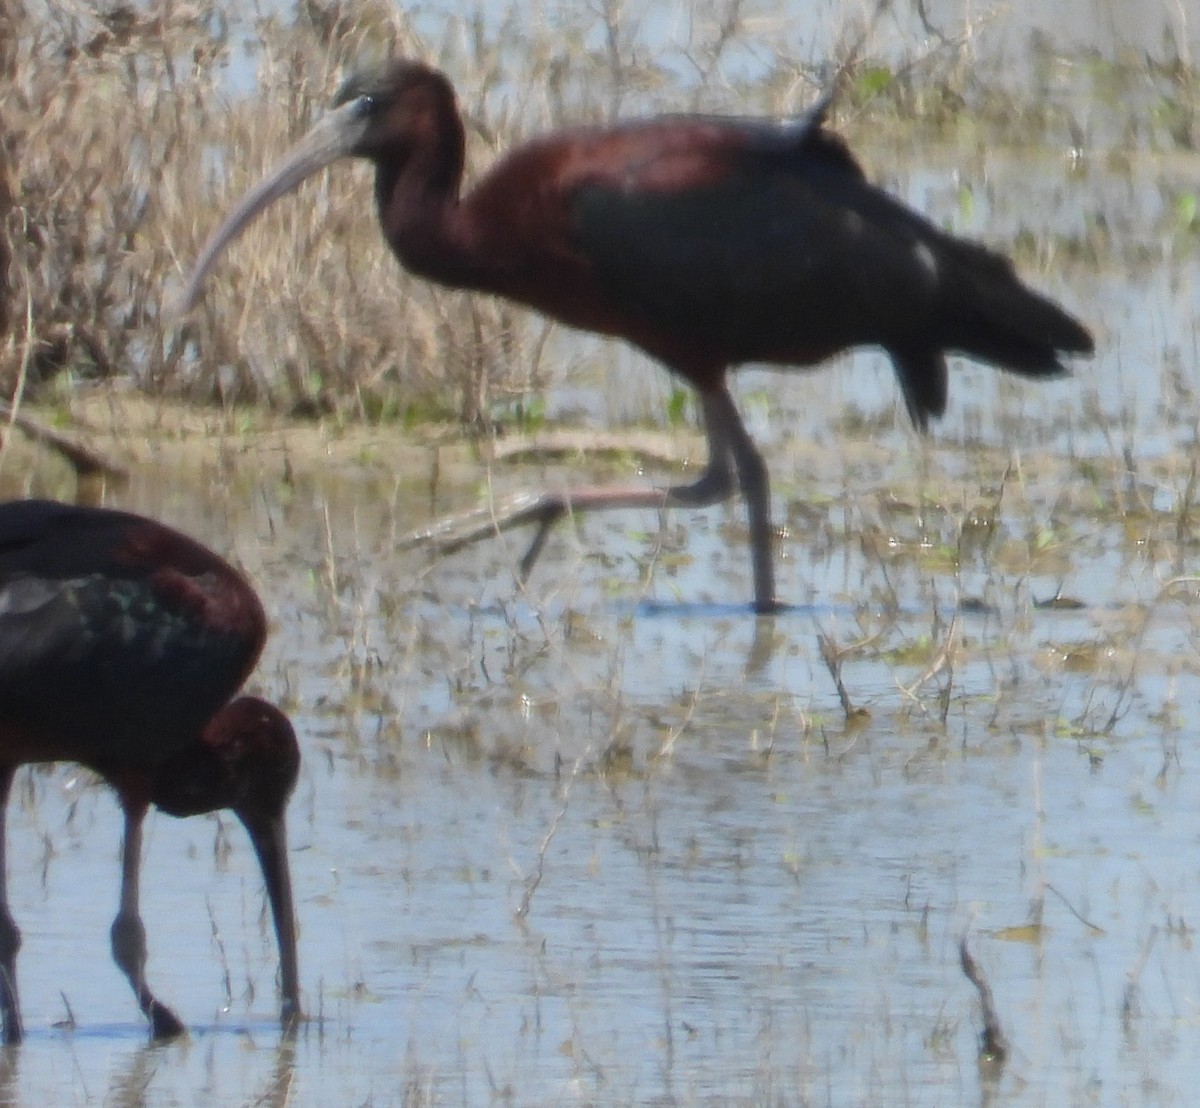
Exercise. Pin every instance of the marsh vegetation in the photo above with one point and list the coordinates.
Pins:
(607, 838)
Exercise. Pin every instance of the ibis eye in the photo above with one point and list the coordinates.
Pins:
(368, 104)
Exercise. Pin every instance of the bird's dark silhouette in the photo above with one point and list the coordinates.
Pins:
(707, 242)
(121, 644)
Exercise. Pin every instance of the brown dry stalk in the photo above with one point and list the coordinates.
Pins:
(6, 203)
(124, 140)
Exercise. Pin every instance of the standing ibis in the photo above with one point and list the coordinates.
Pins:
(707, 242)
(121, 644)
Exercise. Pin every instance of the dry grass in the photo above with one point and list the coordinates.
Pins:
(125, 142)
(125, 137)
(6, 202)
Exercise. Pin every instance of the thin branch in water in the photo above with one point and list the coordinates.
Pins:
(941, 660)
(219, 943)
(993, 1044)
(68, 1023)
(535, 879)
(1093, 927)
(832, 657)
(1129, 1003)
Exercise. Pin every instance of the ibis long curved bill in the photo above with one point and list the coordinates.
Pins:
(333, 136)
(268, 834)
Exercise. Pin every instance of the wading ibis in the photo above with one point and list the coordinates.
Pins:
(707, 242)
(121, 644)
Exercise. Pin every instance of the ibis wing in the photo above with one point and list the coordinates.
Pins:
(778, 249)
(47, 608)
(57, 607)
(97, 660)
(90, 651)
(24, 524)
(773, 263)
(43, 630)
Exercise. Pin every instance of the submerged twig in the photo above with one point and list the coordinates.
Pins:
(535, 879)
(832, 657)
(219, 943)
(993, 1045)
(1094, 927)
(943, 658)
(69, 1023)
(1129, 1002)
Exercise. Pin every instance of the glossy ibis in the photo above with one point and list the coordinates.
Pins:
(708, 242)
(121, 643)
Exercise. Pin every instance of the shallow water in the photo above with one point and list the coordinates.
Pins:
(613, 840)
(579, 848)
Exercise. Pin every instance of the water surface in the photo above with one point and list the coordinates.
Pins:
(611, 839)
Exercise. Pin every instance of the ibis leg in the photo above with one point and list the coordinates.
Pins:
(728, 442)
(719, 411)
(714, 485)
(733, 462)
(128, 931)
(10, 935)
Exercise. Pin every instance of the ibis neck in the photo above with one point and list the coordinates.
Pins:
(418, 200)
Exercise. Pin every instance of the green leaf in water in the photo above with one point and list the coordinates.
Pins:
(677, 406)
(1187, 206)
(966, 201)
(873, 80)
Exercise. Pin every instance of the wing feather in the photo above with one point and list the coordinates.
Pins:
(94, 655)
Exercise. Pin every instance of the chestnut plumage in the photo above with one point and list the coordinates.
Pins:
(707, 242)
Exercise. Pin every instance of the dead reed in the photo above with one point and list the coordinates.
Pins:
(125, 131)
